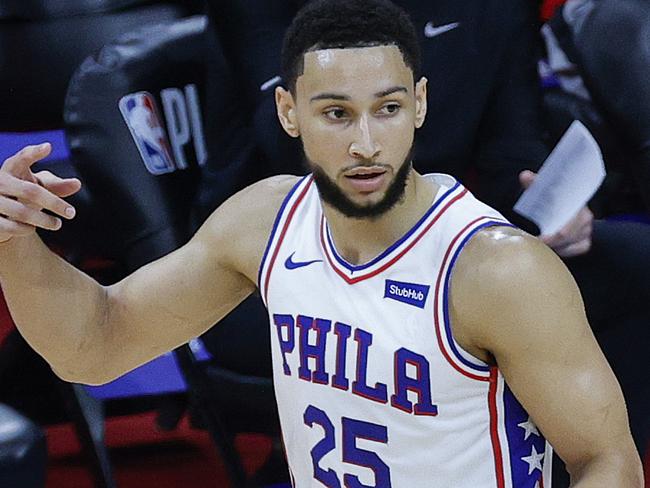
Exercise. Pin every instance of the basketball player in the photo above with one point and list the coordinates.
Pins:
(418, 339)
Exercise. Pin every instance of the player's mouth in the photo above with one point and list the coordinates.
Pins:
(366, 180)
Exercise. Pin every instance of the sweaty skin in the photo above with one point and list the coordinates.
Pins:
(512, 301)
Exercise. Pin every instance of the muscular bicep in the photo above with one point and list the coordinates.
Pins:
(532, 321)
(557, 371)
(178, 297)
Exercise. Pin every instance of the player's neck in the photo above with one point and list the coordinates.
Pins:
(360, 240)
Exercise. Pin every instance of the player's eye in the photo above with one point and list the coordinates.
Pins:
(390, 109)
(335, 114)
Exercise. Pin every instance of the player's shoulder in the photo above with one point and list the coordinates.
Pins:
(256, 205)
(502, 248)
(504, 269)
(264, 197)
(240, 227)
(502, 256)
(504, 281)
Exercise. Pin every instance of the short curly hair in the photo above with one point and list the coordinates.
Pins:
(333, 24)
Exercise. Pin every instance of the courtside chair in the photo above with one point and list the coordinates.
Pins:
(41, 44)
(134, 119)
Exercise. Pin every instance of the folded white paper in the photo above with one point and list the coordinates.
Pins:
(566, 181)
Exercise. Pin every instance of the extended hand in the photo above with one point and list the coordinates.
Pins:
(574, 238)
(24, 195)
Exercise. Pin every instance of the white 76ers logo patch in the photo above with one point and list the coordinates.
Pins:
(143, 120)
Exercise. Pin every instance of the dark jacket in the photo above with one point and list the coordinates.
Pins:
(482, 125)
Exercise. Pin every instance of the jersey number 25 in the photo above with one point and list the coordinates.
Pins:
(352, 430)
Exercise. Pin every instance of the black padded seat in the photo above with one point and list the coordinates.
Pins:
(154, 77)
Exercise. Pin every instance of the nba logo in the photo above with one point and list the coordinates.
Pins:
(143, 120)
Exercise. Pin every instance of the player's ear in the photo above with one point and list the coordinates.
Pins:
(420, 102)
(286, 111)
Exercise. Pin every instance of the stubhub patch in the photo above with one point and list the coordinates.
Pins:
(409, 293)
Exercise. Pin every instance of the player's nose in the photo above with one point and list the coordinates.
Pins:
(364, 144)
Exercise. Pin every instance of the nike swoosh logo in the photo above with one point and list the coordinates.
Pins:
(291, 264)
(433, 31)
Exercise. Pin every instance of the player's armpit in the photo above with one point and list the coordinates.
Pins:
(513, 299)
(181, 295)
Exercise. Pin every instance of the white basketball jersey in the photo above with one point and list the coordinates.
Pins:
(372, 389)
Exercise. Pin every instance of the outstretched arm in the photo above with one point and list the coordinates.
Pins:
(521, 309)
(92, 334)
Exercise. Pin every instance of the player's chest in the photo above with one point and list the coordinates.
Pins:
(357, 338)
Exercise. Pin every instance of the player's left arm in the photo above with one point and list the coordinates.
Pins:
(514, 302)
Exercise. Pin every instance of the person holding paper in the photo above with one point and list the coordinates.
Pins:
(575, 238)
(555, 198)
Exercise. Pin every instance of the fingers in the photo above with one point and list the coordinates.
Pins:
(26, 200)
(20, 162)
(61, 187)
(21, 213)
(560, 241)
(567, 236)
(526, 178)
(576, 249)
(34, 195)
(575, 237)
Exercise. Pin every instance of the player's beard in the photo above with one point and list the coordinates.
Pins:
(332, 194)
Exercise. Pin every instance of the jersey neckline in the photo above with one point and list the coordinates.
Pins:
(449, 192)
